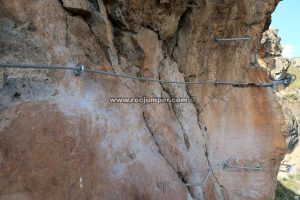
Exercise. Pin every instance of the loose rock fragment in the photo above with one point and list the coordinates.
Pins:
(80, 7)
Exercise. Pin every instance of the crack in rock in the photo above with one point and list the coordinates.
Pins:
(205, 138)
(185, 135)
(223, 190)
(67, 37)
(151, 131)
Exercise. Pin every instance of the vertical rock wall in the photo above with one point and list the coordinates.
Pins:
(61, 138)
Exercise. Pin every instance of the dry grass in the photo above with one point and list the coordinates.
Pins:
(296, 84)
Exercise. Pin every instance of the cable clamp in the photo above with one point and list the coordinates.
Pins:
(79, 68)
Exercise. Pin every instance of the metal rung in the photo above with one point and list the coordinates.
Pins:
(246, 38)
(234, 168)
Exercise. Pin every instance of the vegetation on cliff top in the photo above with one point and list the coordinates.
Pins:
(296, 84)
(288, 188)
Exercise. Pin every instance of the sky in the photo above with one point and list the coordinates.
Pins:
(286, 19)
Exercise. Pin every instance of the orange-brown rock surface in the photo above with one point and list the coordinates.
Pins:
(61, 138)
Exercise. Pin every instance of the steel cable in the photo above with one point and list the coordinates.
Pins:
(78, 69)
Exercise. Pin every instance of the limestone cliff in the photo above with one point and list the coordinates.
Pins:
(278, 67)
(61, 138)
(270, 56)
(288, 96)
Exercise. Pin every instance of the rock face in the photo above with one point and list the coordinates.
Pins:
(271, 46)
(77, 6)
(1, 78)
(271, 58)
(277, 65)
(61, 137)
(270, 55)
